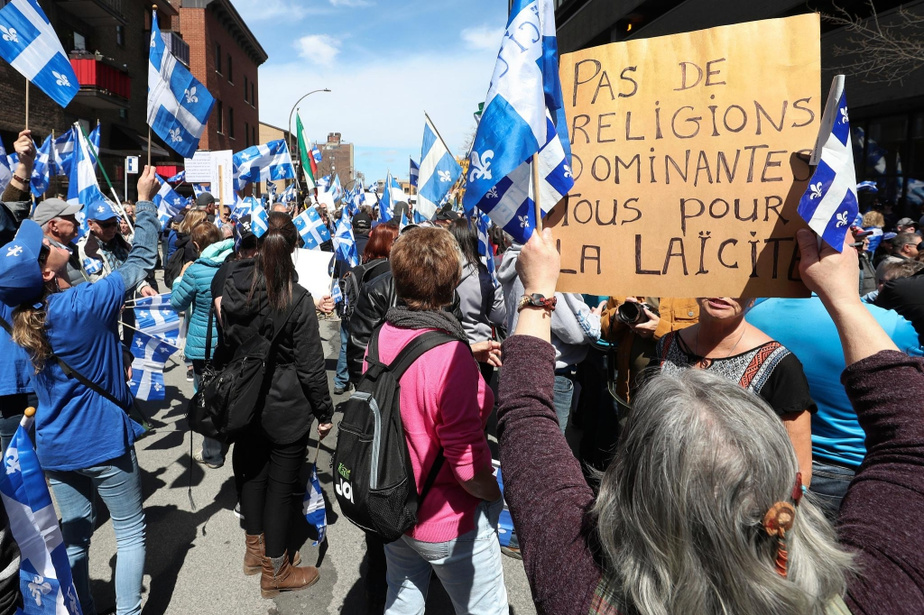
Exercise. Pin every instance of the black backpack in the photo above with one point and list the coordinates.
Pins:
(373, 475)
(174, 267)
(353, 281)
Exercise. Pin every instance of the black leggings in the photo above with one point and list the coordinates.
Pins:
(268, 474)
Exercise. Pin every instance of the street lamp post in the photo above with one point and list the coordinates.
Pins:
(289, 124)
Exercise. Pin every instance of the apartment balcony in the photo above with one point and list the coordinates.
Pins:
(176, 45)
(102, 86)
(98, 13)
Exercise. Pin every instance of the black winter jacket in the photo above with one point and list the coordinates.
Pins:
(298, 390)
(375, 298)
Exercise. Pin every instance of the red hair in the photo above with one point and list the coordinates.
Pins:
(380, 241)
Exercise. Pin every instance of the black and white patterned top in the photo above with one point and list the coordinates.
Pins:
(770, 370)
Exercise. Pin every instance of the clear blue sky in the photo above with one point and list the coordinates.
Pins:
(386, 62)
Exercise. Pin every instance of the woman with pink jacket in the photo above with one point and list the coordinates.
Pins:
(445, 405)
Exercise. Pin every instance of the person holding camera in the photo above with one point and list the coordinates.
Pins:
(723, 342)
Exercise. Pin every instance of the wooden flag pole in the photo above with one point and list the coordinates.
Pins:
(149, 146)
(27, 104)
(535, 166)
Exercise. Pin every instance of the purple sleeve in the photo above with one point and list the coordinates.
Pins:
(543, 484)
(881, 513)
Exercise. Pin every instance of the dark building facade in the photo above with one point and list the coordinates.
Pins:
(225, 55)
(107, 42)
(887, 119)
(337, 159)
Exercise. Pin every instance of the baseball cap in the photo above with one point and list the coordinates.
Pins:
(204, 199)
(100, 211)
(53, 208)
(20, 273)
(906, 222)
(362, 222)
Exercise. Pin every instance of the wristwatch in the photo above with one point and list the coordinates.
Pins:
(538, 301)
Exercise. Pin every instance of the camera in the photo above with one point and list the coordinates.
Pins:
(634, 313)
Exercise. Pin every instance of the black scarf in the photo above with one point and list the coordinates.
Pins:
(404, 318)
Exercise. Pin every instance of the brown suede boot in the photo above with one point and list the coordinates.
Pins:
(256, 551)
(281, 576)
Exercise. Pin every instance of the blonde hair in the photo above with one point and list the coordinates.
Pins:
(873, 218)
(193, 217)
(29, 332)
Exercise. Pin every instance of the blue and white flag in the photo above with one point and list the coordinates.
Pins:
(29, 43)
(271, 189)
(150, 355)
(44, 572)
(167, 200)
(198, 189)
(323, 184)
(178, 178)
(155, 316)
(43, 167)
(387, 202)
(345, 242)
(242, 207)
(404, 221)
(259, 219)
(178, 105)
(438, 171)
(259, 163)
(83, 188)
(311, 228)
(335, 293)
(314, 507)
(414, 175)
(336, 190)
(93, 142)
(290, 194)
(829, 204)
(64, 152)
(484, 245)
(6, 173)
(523, 120)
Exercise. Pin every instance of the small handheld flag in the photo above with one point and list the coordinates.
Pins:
(829, 204)
(150, 355)
(345, 242)
(438, 171)
(314, 508)
(264, 162)
(312, 229)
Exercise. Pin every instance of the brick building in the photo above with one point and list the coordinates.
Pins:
(107, 41)
(337, 159)
(225, 56)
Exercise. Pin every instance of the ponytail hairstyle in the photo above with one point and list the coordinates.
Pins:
(273, 262)
(29, 323)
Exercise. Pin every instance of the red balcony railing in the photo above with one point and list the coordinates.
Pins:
(97, 75)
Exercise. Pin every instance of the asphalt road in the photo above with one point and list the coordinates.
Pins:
(195, 553)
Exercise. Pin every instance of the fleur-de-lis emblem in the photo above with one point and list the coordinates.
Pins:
(144, 314)
(816, 190)
(177, 201)
(72, 599)
(9, 34)
(481, 165)
(568, 171)
(524, 221)
(131, 383)
(157, 386)
(61, 79)
(191, 95)
(11, 461)
(844, 118)
(175, 135)
(139, 343)
(445, 176)
(39, 587)
(492, 193)
(841, 219)
(153, 41)
(14, 251)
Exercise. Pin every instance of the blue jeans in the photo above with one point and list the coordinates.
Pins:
(469, 567)
(829, 485)
(342, 376)
(118, 483)
(564, 392)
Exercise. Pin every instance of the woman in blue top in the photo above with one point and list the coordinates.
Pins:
(84, 439)
(194, 289)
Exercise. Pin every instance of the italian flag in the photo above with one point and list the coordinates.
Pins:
(309, 166)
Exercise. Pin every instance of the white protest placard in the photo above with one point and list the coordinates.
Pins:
(327, 198)
(199, 167)
(313, 268)
(221, 177)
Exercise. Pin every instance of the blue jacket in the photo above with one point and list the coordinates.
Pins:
(195, 288)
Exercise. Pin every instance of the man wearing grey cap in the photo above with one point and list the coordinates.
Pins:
(59, 225)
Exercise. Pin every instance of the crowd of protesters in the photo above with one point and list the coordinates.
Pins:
(660, 455)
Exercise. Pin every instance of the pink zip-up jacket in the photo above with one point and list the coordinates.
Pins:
(444, 402)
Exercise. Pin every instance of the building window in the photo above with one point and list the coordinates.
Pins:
(246, 90)
(246, 134)
(221, 118)
(217, 58)
(230, 72)
(253, 97)
(80, 42)
(120, 36)
(231, 122)
(254, 133)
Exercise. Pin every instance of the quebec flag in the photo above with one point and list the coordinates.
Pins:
(311, 228)
(438, 171)
(168, 202)
(523, 119)
(30, 45)
(345, 242)
(259, 219)
(387, 203)
(155, 316)
(64, 152)
(148, 366)
(263, 162)
(313, 507)
(178, 105)
(83, 188)
(829, 204)
(44, 573)
(43, 167)
(484, 245)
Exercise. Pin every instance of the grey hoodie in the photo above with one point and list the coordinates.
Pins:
(481, 304)
(574, 327)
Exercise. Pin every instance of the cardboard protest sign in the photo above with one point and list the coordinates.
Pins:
(685, 161)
